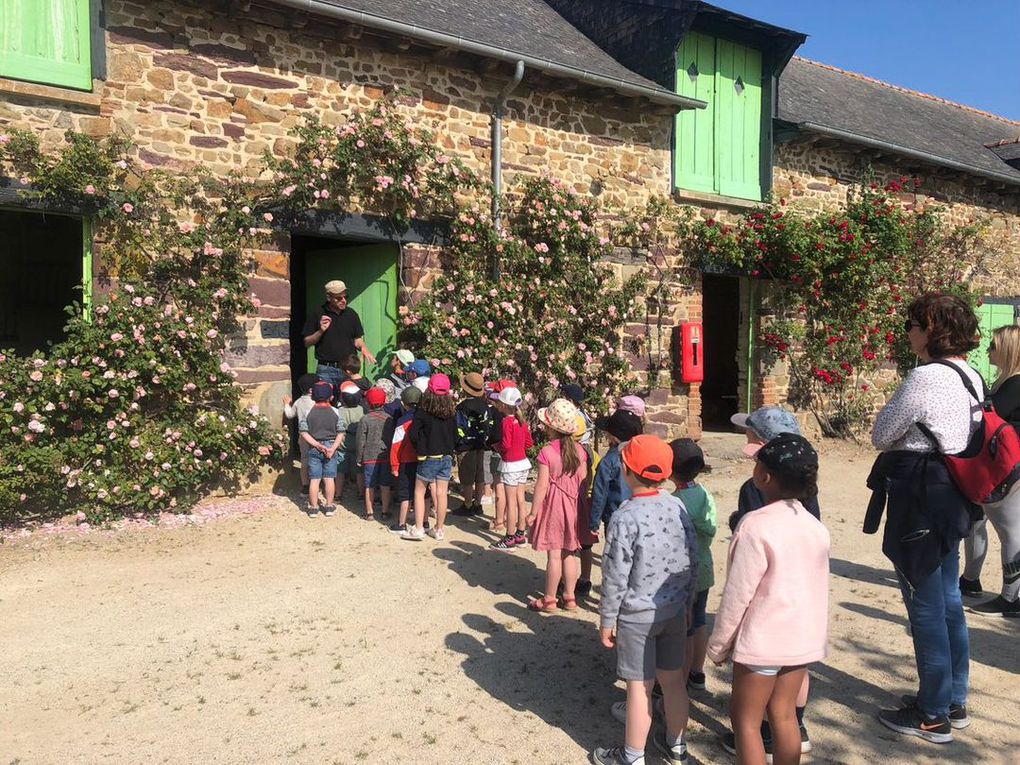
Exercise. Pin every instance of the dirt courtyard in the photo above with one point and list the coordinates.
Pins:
(276, 638)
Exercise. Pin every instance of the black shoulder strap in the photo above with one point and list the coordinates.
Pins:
(966, 380)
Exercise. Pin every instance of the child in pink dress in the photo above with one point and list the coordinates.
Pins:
(558, 503)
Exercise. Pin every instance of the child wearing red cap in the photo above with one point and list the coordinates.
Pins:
(649, 581)
(434, 436)
(374, 451)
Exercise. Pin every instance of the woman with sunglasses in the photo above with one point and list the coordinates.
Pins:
(926, 516)
(1004, 353)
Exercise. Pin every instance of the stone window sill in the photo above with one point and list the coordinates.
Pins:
(51, 93)
(714, 200)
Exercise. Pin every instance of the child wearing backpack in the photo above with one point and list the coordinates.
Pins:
(688, 463)
(474, 433)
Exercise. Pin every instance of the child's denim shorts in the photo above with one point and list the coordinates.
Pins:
(319, 466)
(436, 468)
(377, 474)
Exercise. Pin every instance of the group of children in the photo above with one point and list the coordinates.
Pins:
(657, 569)
(657, 572)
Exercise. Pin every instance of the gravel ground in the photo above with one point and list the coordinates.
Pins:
(257, 634)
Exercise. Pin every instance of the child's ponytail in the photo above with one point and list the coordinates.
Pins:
(568, 454)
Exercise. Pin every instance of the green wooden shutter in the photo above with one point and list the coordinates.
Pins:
(46, 41)
(695, 154)
(738, 139)
(991, 316)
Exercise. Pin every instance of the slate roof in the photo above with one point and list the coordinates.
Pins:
(957, 136)
(526, 27)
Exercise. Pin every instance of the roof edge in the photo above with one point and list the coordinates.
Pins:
(909, 91)
(655, 95)
(935, 159)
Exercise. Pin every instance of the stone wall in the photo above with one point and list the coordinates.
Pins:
(816, 175)
(193, 84)
(190, 84)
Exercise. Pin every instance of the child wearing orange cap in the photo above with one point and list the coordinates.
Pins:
(649, 582)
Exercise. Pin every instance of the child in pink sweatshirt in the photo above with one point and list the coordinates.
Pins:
(773, 618)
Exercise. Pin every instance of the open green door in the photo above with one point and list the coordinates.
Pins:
(370, 272)
(991, 316)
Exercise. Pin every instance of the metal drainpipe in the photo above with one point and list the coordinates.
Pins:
(497, 152)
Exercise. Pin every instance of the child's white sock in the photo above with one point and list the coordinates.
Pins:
(634, 756)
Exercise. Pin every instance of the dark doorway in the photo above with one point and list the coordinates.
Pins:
(42, 273)
(721, 311)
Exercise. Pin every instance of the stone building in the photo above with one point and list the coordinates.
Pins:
(624, 100)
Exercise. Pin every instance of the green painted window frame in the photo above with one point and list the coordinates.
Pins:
(29, 39)
(704, 157)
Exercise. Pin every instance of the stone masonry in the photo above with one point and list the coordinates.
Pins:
(219, 84)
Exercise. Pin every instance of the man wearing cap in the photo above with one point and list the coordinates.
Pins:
(336, 332)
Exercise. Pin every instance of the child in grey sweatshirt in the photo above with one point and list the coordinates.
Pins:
(649, 582)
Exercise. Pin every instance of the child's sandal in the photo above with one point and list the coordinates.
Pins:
(498, 528)
(542, 605)
(568, 604)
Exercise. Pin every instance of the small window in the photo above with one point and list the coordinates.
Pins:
(718, 149)
(45, 266)
(46, 41)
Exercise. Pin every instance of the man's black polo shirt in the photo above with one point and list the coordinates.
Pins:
(337, 342)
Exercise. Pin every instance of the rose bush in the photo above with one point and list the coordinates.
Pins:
(841, 282)
(134, 412)
(556, 312)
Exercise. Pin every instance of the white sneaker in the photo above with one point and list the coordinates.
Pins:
(437, 534)
(414, 534)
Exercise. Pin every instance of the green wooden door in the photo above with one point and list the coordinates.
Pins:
(739, 136)
(695, 154)
(991, 316)
(370, 272)
(47, 41)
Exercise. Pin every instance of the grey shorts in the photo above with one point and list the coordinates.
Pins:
(474, 468)
(641, 649)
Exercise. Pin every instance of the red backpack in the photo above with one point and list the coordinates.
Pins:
(987, 469)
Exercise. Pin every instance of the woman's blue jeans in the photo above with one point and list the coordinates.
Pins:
(941, 643)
